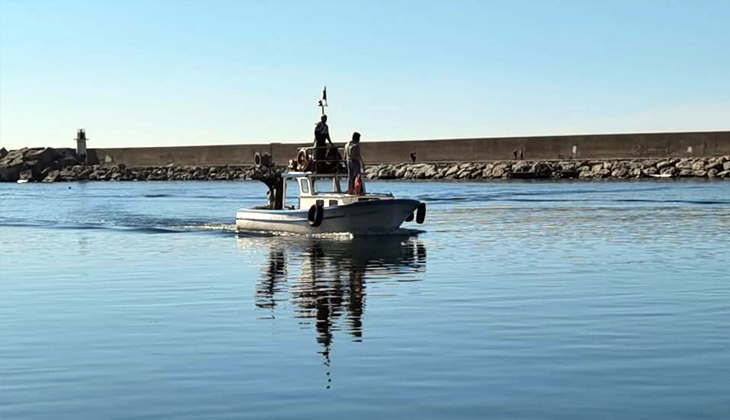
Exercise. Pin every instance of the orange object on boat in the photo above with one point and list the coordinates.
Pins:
(359, 186)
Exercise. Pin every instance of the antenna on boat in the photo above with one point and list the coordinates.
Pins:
(323, 101)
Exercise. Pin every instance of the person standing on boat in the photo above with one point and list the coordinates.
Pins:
(321, 137)
(354, 163)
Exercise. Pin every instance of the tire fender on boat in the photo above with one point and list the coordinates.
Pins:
(302, 161)
(315, 215)
(261, 160)
(421, 213)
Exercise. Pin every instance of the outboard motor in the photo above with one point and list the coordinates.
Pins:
(421, 213)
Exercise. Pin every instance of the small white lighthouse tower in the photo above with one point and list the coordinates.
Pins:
(81, 144)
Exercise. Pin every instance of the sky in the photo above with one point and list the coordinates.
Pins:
(139, 73)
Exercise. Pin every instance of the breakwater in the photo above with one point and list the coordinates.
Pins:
(716, 167)
(58, 165)
(599, 146)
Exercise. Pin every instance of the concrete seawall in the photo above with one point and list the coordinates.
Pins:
(605, 146)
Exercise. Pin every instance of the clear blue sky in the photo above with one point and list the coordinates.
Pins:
(155, 73)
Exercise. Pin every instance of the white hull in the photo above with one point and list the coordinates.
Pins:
(369, 217)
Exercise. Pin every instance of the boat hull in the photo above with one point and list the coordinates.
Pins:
(369, 217)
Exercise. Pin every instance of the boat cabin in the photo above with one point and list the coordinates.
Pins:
(304, 189)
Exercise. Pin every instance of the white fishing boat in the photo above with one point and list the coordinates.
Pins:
(310, 203)
(311, 199)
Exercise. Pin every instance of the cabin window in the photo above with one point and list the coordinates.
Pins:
(292, 194)
(325, 185)
(305, 186)
(333, 203)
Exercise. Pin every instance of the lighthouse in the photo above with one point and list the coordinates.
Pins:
(81, 145)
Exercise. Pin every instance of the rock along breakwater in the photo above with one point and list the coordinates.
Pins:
(715, 167)
(58, 165)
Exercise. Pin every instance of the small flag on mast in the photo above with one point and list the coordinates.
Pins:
(323, 102)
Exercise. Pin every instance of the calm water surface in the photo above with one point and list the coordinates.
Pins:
(516, 300)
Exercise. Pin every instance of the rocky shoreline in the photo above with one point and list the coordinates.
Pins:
(715, 167)
(62, 165)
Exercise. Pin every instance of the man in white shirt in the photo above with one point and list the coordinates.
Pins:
(354, 163)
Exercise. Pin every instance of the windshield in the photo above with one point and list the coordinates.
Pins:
(325, 185)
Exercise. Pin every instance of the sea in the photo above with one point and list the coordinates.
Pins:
(514, 300)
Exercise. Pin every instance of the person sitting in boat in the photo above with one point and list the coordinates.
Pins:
(321, 136)
(354, 164)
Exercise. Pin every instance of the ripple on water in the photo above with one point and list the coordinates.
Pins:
(521, 300)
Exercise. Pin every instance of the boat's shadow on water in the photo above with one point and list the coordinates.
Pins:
(325, 279)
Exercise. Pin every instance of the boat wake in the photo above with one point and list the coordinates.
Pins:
(185, 227)
(403, 232)
(171, 227)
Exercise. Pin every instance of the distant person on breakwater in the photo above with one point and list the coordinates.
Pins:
(354, 164)
(321, 137)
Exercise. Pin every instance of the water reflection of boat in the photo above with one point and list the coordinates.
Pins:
(332, 276)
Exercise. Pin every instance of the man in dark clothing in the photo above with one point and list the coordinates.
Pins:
(321, 132)
(321, 137)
